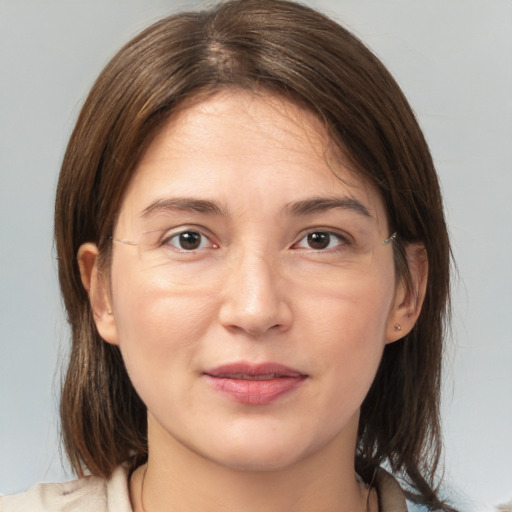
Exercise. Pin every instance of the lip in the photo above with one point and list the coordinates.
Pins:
(254, 384)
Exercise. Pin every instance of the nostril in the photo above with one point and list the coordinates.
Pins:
(253, 298)
(255, 322)
(258, 332)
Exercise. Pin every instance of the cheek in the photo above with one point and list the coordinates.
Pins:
(348, 331)
(145, 303)
(354, 311)
(158, 328)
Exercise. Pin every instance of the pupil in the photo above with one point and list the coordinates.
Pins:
(319, 240)
(190, 240)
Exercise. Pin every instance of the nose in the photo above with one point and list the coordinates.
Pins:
(254, 297)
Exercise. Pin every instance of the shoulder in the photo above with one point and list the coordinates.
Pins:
(89, 494)
(391, 495)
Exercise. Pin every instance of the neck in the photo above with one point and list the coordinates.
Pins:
(176, 478)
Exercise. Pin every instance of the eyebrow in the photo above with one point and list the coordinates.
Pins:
(296, 208)
(184, 204)
(321, 204)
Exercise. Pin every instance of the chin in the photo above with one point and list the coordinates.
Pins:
(261, 453)
(258, 462)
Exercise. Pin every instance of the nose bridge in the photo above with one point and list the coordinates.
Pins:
(254, 297)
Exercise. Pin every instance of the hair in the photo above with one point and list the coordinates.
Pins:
(283, 48)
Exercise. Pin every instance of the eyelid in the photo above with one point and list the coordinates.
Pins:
(341, 233)
(344, 237)
(170, 233)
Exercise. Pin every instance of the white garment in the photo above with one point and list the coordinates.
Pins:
(89, 494)
(94, 494)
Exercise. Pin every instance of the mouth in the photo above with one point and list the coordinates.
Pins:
(245, 376)
(249, 384)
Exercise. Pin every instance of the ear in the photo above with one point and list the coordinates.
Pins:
(96, 284)
(408, 302)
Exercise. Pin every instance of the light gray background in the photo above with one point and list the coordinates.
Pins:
(453, 58)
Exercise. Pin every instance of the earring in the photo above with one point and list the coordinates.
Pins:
(398, 327)
(109, 312)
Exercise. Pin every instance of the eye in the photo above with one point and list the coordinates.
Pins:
(321, 241)
(189, 240)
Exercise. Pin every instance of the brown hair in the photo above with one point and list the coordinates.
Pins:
(292, 50)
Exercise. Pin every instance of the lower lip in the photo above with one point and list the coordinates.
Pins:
(255, 392)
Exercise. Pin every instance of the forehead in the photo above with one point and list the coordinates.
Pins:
(238, 143)
(236, 122)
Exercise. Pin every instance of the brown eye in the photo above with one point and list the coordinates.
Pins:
(319, 240)
(322, 241)
(188, 241)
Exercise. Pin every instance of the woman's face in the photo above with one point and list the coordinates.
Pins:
(254, 309)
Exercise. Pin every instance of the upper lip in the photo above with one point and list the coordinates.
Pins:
(244, 370)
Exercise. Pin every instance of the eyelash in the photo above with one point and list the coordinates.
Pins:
(166, 240)
(342, 240)
(322, 234)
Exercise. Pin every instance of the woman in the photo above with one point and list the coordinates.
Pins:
(254, 261)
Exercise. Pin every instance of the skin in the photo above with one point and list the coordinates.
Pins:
(255, 290)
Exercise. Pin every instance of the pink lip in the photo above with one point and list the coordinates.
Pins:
(254, 384)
